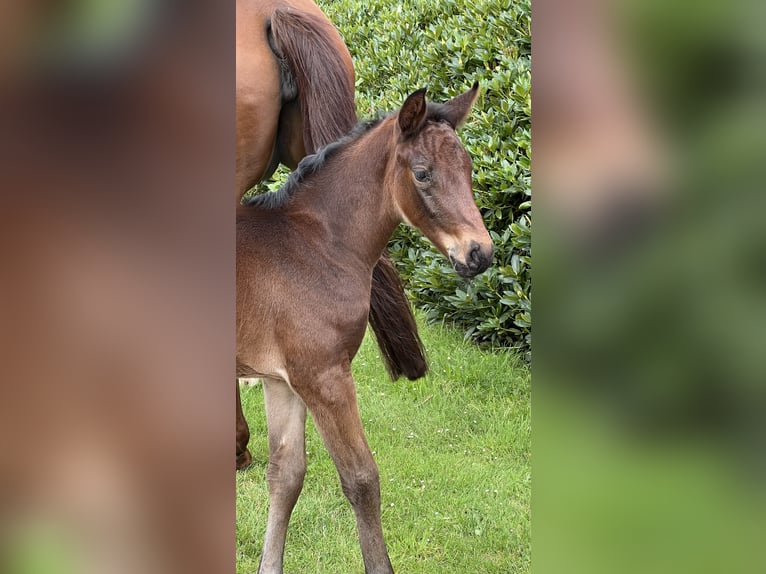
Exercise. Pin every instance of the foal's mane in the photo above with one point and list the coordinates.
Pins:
(308, 166)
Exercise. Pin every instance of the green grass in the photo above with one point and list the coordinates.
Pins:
(454, 456)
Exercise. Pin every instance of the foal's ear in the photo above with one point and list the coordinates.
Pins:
(413, 113)
(457, 109)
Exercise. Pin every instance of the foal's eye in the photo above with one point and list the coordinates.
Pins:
(422, 175)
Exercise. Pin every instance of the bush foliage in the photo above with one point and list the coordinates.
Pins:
(445, 46)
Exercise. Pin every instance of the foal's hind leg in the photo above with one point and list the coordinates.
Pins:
(243, 436)
(331, 399)
(286, 420)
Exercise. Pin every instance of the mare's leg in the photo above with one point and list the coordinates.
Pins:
(331, 399)
(286, 420)
(243, 436)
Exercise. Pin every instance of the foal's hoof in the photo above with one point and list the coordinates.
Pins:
(244, 460)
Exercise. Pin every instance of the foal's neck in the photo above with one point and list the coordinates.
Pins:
(349, 196)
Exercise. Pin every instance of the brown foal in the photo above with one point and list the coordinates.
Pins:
(305, 258)
(295, 93)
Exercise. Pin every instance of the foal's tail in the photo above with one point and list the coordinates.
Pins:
(321, 66)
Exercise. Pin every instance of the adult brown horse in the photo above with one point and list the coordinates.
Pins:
(305, 259)
(295, 93)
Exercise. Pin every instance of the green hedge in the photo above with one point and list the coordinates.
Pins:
(401, 46)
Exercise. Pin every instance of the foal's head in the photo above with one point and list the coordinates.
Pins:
(432, 178)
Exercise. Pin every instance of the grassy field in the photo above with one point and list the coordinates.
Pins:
(454, 456)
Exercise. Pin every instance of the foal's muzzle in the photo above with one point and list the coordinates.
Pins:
(473, 260)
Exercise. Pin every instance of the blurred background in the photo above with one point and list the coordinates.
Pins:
(649, 136)
(116, 286)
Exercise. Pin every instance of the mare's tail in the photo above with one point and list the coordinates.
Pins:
(321, 68)
(393, 324)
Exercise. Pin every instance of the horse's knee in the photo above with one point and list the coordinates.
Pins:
(362, 486)
(286, 474)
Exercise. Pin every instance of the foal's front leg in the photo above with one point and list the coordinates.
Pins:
(286, 421)
(331, 399)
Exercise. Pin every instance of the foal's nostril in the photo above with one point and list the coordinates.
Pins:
(475, 260)
(474, 255)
